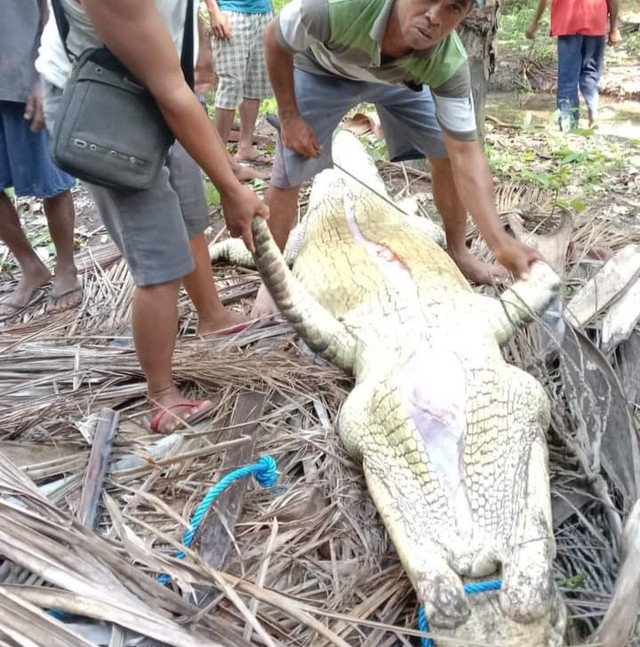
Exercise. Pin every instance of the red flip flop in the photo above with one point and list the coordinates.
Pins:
(156, 420)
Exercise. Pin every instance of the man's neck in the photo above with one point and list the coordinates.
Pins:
(392, 46)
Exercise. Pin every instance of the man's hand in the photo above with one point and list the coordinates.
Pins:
(298, 136)
(531, 30)
(219, 25)
(33, 111)
(516, 256)
(239, 208)
(614, 37)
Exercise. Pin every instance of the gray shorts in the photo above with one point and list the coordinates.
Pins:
(151, 228)
(408, 119)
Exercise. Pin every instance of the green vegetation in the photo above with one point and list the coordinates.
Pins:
(211, 193)
(578, 165)
(514, 19)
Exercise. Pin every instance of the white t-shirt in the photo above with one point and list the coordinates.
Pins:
(53, 63)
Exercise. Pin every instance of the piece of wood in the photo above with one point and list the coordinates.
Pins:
(628, 368)
(621, 318)
(604, 287)
(553, 246)
(216, 540)
(96, 472)
(597, 401)
(478, 32)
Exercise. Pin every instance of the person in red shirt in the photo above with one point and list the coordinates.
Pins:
(581, 29)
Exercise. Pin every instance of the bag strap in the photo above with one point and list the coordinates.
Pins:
(62, 24)
(186, 57)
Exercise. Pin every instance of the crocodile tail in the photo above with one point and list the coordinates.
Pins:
(322, 332)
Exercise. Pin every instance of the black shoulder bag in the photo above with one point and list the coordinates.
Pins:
(109, 130)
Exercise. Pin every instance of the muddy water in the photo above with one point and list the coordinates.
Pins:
(617, 118)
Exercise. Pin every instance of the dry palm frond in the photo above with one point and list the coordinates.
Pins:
(311, 564)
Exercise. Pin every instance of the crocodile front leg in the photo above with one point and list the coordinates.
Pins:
(527, 593)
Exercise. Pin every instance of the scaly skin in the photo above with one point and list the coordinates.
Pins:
(450, 437)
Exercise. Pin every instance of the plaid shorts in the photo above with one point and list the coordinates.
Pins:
(239, 60)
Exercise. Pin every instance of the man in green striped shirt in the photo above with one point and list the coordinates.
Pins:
(326, 56)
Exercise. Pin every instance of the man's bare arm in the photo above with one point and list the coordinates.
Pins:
(533, 27)
(475, 187)
(134, 31)
(613, 8)
(280, 69)
(295, 133)
(218, 21)
(44, 14)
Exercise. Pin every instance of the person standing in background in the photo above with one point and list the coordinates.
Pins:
(26, 166)
(238, 28)
(581, 29)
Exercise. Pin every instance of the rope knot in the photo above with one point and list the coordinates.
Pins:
(266, 474)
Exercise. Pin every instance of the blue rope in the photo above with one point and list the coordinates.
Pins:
(472, 588)
(264, 472)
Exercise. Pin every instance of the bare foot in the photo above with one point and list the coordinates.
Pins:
(246, 173)
(478, 271)
(24, 293)
(173, 410)
(66, 292)
(264, 307)
(252, 155)
(228, 323)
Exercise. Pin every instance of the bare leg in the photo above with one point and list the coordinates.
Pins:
(60, 214)
(248, 115)
(155, 322)
(34, 272)
(212, 315)
(283, 205)
(454, 218)
(224, 124)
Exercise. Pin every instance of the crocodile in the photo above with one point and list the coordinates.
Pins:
(451, 438)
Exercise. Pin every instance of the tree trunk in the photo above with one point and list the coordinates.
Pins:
(479, 34)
